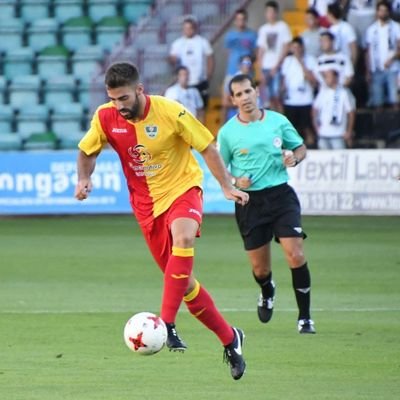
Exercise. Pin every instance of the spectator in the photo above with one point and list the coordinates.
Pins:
(194, 52)
(273, 44)
(239, 41)
(395, 10)
(311, 36)
(187, 96)
(333, 113)
(321, 7)
(245, 67)
(345, 36)
(383, 52)
(298, 83)
(330, 58)
(360, 16)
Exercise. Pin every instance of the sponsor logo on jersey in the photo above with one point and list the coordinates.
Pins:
(151, 131)
(119, 130)
(139, 154)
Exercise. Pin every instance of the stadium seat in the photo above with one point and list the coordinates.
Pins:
(172, 10)
(3, 89)
(42, 33)
(86, 63)
(7, 9)
(24, 90)
(67, 9)
(11, 33)
(10, 141)
(205, 9)
(77, 32)
(52, 61)
(110, 32)
(134, 11)
(32, 10)
(71, 140)
(92, 94)
(66, 119)
(147, 37)
(41, 141)
(99, 9)
(18, 61)
(32, 119)
(6, 118)
(172, 33)
(59, 89)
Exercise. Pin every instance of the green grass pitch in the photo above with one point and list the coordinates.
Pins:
(68, 285)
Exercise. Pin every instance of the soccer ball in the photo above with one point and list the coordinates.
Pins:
(145, 333)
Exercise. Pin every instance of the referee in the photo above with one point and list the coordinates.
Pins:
(259, 145)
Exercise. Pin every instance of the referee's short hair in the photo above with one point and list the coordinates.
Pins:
(241, 78)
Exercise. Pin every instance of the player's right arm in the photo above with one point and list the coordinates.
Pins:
(90, 147)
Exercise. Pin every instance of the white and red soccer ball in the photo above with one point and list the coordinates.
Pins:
(145, 333)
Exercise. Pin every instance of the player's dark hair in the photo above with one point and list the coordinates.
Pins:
(241, 78)
(272, 4)
(335, 10)
(121, 74)
(241, 11)
(328, 34)
(181, 68)
(384, 3)
(313, 12)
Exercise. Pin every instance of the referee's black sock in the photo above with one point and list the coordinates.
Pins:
(302, 287)
(266, 285)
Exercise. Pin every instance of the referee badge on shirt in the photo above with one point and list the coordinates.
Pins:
(277, 142)
(151, 131)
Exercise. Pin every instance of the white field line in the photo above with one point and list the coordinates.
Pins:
(225, 310)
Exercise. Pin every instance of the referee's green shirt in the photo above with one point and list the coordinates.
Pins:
(254, 149)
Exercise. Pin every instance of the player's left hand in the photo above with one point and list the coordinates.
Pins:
(237, 196)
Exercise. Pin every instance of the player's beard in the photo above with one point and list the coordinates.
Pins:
(131, 113)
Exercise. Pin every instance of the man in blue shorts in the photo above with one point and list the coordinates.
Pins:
(259, 145)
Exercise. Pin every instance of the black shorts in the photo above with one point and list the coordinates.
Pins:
(270, 212)
(299, 116)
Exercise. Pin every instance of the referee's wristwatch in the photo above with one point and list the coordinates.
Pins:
(296, 161)
(233, 181)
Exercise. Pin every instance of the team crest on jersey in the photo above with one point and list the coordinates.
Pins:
(151, 131)
(277, 142)
(139, 154)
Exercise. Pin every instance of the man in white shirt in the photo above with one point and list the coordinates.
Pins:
(360, 16)
(383, 53)
(333, 114)
(273, 44)
(298, 84)
(345, 35)
(330, 58)
(187, 96)
(195, 53)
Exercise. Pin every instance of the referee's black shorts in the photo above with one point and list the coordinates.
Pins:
(270, 212)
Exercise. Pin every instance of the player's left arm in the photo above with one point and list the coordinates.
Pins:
(292, 158)
(216, 165)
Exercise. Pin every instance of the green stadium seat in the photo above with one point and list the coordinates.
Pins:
(24, 90)
(42, 33)
(52, 61)
(11, 33)
(18, 61)
(110, 32)
(59, 89)
(41, 141)
(77, 32)
(10, 141)
(32, 10)
(67, 9)
(99, 9)
(6, 118)
(32, 119)
(7, 9)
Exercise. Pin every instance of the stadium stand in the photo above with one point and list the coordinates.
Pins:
(52, 61)
(42, 33)
(67, 9)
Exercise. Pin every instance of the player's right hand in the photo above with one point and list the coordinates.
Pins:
(83, 188)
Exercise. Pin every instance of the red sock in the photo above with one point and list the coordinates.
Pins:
(176, 280)
(201, 305)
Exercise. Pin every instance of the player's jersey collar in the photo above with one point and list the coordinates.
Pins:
(247, 122)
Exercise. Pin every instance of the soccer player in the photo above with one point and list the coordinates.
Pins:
(259, 145)
(153, 137)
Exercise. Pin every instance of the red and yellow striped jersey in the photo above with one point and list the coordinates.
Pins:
(155, 152)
